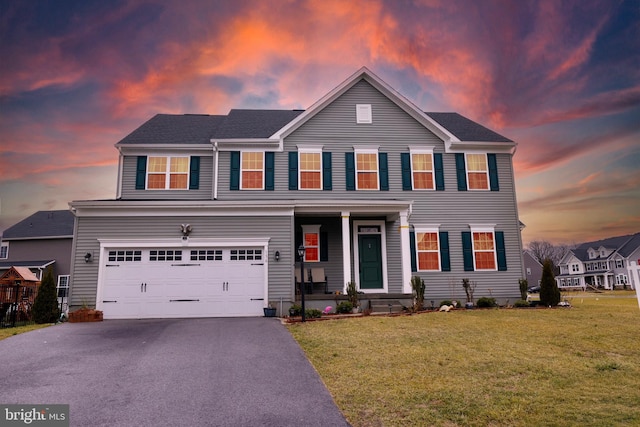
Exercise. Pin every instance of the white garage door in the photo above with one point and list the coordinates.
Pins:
(183, 282)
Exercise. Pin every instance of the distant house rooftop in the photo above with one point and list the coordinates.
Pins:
(42, 225)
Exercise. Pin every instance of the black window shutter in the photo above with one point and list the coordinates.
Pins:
(412, 243)
(445, 260)
(439, 170)
(326, 171)
(293, 170)
(467, 251)
(493, 172)
(194, 173)
(383, 167)
(234, 181)
(405, 163)
(461, 172)
(350, 171)
(141, 172)
(324, 246)
(268, 170)
(501, 252)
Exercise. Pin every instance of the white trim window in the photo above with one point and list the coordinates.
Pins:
(4, 250)
(311, 242)
(477, 171)
(619, 263)
(167, 173)
(367, 174)
(427, 249)
(310, 169)
(483, 242)
(252, 170)
(63, 286)
(422, 169)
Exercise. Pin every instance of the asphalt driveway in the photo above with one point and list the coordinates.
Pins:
(184, 372)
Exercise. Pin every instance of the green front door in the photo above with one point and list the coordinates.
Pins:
(370, 252)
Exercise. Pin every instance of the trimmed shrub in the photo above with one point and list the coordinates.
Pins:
(486, 302)
(524, 285)
(312, 313)
(344, 307)
(445, 302)
(521, 303)
(45, 306)
(295, 310)
(549, 292)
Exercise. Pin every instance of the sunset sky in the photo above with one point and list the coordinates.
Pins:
(562, 79)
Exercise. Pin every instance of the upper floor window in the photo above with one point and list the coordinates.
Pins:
(168, 173)
(310, 170)
(619, 263)
(575, 268)
(252, 170)
(422, 171)
(477, 171)
(367, 170)
(4, 250)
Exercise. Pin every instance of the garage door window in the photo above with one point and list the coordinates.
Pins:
(122, 256)
(246, 254)
(165, 255)
(207, 255)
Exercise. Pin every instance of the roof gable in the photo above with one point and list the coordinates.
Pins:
(18, 273)
(42, 224)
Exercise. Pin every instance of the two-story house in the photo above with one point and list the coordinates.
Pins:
(210, 209)
(603, 264)
(41, 241)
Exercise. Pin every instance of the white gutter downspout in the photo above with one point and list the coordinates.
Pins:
(216, 153)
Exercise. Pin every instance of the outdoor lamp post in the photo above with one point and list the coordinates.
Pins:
(301, 250)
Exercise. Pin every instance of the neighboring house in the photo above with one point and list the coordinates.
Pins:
(40, 241)
(606, 264)
(532, 268)
(209, 210)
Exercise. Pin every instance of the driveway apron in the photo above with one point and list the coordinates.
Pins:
(178, 372)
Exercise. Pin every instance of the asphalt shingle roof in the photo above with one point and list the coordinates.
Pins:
(466, 129)
(42, 224)
(175, 129)
(254, 123)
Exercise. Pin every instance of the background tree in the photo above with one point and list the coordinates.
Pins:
(45, 307)
(542, 250)
(549, 292)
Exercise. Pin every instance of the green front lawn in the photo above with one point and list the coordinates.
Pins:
(499, 367)
(9, 332)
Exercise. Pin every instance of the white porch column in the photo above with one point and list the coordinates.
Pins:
(346, 251)
(405, 250)
(634, 273)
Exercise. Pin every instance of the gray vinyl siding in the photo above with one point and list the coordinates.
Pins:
(129, 191)
(278, 228)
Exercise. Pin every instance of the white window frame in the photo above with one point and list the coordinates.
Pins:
(311, 229)
(242, 153)
(4, 247)
(619, 263)
(422, 150)
(167, 173)
(484, 229)
(60, 285)
(364, 114)
(357, 151)
(308, 150)
(486, 162)
(427, 229)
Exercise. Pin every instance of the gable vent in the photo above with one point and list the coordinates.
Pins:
(363, 113)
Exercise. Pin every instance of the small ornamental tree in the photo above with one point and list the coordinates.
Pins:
(45, 307)
(524, 286)
(549, 292)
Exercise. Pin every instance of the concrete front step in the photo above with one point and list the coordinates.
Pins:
(386, 306)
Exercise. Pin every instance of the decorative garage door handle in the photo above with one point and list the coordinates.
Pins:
(225, 286)
(257, 299)
(184, 300)
(261, 263)
(109, 301)
(143, 287)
